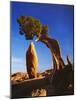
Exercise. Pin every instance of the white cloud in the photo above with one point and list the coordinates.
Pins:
(18, 64)
(17, 60)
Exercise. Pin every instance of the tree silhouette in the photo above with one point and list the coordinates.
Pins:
(30, 27)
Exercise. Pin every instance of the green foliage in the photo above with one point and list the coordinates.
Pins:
(44, 29)
(22, 20)
(29, 27)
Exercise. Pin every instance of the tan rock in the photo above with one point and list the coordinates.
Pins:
(39, 92)
(18, 77)
(32, 61)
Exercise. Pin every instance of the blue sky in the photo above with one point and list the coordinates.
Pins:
(59, 19)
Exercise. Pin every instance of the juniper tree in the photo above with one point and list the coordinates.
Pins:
(30, 27)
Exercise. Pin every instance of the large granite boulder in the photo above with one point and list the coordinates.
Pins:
(32, 61)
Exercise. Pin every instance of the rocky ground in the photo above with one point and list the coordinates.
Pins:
(62, 84)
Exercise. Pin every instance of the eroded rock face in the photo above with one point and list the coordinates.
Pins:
(32, 61)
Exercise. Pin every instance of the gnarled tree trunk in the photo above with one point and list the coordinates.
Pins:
(53, 45)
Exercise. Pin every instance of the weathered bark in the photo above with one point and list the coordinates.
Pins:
(69, 62)
(32, 61)
(53, 45)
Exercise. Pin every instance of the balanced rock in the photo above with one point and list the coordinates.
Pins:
(32, 61)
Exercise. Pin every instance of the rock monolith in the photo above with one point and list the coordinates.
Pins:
(32, 61)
